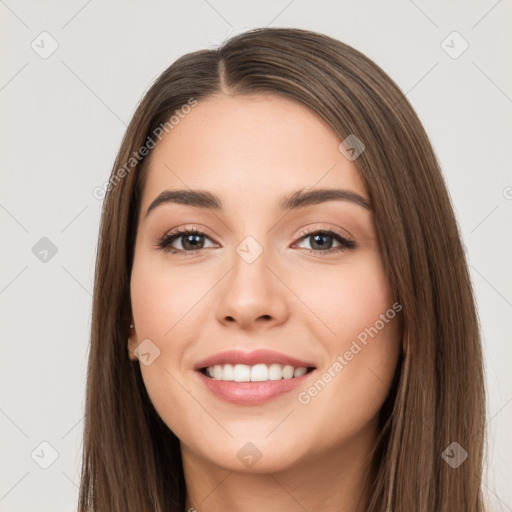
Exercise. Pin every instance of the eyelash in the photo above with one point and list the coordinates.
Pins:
(163, 243)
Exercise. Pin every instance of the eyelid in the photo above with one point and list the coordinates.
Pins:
(323, 228)
(194, 228)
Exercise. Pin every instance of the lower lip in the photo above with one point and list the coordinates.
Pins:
(252, 393)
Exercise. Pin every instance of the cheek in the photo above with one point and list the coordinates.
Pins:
(362, 340)
(166, 305)
(175, 405)
(347, 298)
(165, 299)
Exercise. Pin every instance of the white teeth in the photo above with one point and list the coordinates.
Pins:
(256, 373)
(217, 372)
(227, 372)
(299, 372)
(259, 373)
(275, 372)
(288, 372)
(241, 373)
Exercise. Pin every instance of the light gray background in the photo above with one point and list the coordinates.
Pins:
(62, 120)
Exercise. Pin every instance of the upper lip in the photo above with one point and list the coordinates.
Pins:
(251, 358)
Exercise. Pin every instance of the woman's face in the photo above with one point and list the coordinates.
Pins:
(304, 281)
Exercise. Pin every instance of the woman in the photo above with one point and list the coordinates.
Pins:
(280, 259)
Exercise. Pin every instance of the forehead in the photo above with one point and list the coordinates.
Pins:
(257, 146)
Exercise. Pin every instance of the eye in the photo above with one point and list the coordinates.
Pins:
(322, 241)
(191, 240)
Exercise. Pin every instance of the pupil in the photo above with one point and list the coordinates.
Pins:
(194, 240)
(321, 245)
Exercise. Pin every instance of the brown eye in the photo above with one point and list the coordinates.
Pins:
(191, 240)
(322, 242)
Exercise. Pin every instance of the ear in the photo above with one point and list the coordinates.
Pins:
(132, 343)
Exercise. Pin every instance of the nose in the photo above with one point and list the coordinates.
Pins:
(252, 296)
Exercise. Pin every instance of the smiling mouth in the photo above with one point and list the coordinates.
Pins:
(254, 373)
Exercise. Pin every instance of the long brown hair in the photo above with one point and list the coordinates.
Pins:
(131, 460)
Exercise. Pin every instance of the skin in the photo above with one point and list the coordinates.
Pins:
(250, 151)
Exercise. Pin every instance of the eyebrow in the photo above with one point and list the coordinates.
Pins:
(298, 199)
